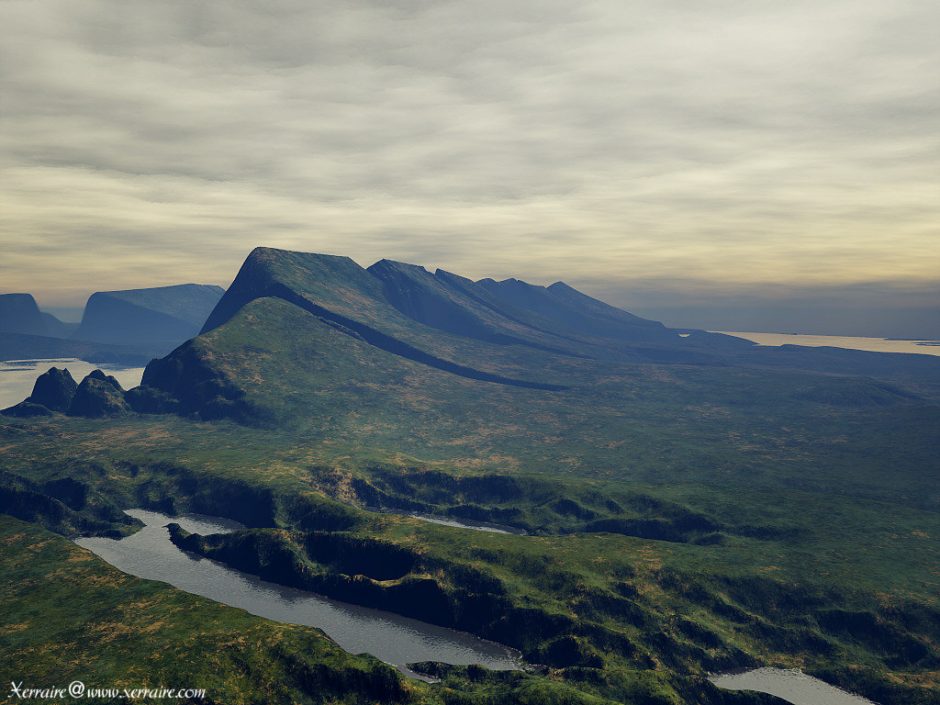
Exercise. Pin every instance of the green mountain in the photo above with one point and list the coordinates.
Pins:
(297, 335)
(159, 317)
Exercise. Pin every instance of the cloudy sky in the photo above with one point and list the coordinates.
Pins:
(673, 155)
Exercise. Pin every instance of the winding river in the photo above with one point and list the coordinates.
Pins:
(394, 639)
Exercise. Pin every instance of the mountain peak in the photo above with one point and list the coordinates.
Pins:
(385, 262)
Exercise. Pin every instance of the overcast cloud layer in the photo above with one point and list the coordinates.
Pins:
(618, 143)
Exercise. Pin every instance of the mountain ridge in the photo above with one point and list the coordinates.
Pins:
(248, 361)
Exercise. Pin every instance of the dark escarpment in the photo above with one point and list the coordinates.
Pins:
(383, 576)
(19, 314)
(65, 506)
(449, 303)
(398, 347)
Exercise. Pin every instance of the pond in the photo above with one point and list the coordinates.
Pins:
(793, 686)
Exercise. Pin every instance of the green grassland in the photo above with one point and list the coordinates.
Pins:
(842, 586)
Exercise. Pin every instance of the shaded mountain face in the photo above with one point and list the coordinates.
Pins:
(54, 389)
(20, 314)
(301, 337)
(161, 317)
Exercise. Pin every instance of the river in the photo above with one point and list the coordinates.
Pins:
(394, 639)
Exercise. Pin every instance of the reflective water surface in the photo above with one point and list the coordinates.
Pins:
(17, 377)
(468, 524)
(919, 347)
(391, 638)
(793, 686)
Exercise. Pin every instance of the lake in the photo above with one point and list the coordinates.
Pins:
(793, 686)
(18, 376)
(918, 347)
(394, 639)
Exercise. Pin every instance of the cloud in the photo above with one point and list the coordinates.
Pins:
(623, 141)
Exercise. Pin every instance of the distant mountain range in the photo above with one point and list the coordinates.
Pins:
(294, 327)
(130, 326)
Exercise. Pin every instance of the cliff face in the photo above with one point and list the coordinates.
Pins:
(19, 313)
(163, 316)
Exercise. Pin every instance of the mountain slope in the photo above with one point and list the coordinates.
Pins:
(339, 291)
(456, 305)
(318, 343)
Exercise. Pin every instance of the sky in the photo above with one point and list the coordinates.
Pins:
(712, 164)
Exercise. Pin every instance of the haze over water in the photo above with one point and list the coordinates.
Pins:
(918, 347)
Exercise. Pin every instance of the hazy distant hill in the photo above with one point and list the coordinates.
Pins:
(19, 313)
(163, 316)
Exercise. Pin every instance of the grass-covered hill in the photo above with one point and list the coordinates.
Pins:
(318, 344)
(689, 503)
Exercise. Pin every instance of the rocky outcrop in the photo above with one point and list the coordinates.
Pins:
(99, 395)
(54, 389)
